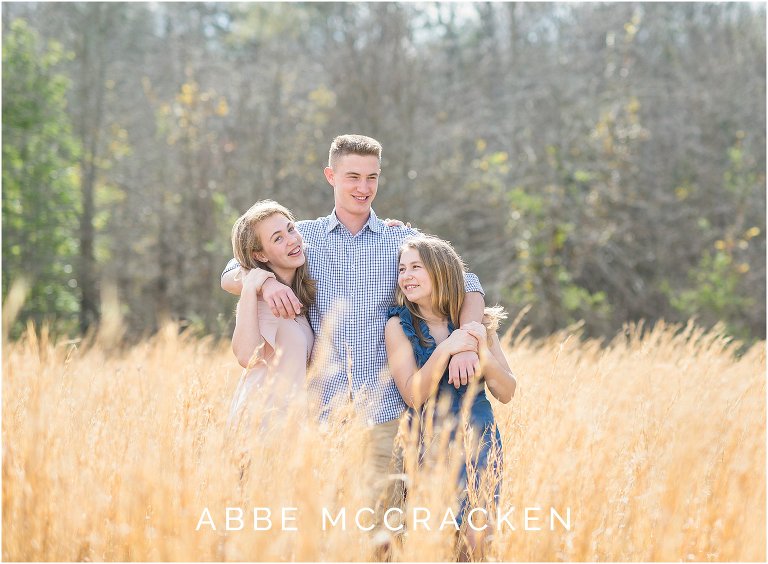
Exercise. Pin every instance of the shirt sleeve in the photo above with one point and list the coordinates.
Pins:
(231, 265)
(472, 283)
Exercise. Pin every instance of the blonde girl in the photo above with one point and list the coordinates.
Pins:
(273, 351)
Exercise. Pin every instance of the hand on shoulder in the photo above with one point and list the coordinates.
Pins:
(396, 223)
(254, 279)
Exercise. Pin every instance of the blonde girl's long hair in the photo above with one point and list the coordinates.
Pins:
(446, 273)
(246, 242)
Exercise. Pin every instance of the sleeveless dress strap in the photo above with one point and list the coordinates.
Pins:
(422, 352)
(407, 323)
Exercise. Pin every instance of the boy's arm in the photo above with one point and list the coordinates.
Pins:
(465, 365)
(281, 299)
(230, 282)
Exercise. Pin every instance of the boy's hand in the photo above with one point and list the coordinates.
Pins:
(462, 368)
(281, 299)
(396, 223)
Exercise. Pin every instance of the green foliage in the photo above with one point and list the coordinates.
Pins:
(554, 224)
(40, 179)
(714, 292)
(718, 286)
(539, 232)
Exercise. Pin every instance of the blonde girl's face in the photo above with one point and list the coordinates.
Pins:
(281, 243)
(413, 278)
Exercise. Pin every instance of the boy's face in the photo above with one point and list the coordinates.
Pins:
(355, 180)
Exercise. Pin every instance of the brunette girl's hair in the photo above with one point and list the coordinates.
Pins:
(446, 272)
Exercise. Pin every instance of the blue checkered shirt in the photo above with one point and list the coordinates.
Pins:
(356, 277)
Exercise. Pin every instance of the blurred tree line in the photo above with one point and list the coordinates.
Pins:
(603, 162)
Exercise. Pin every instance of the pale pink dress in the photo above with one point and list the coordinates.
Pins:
(285, 368)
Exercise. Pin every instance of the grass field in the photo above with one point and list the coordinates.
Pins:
(656, 443)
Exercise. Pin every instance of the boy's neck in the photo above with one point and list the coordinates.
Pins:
(353, 223)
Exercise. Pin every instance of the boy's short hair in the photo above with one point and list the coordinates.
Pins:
(351, 144)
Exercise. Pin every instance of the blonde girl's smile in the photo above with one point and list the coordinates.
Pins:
(282, 244)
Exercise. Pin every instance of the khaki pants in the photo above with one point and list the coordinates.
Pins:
(384, 474)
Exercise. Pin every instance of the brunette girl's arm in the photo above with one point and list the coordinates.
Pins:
(416, 384)
(493, 364)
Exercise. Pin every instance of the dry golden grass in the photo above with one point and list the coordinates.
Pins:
(657, 444)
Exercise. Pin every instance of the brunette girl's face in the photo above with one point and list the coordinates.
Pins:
(281, 243)
(413, 278)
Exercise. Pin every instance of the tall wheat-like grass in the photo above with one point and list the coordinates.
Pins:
(655, 443)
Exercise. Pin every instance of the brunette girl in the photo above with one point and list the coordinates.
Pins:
(422, 334)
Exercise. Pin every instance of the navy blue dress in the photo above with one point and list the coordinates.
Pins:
(481, 418)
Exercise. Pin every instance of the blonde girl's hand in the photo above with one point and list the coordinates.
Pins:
(240, 273)
(254, 279)
(464, 364)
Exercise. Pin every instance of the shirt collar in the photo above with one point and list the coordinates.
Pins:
(373, 223)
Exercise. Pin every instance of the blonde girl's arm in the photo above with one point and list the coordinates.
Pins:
(247, 338)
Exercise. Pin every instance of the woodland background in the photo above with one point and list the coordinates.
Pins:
(599, 162)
